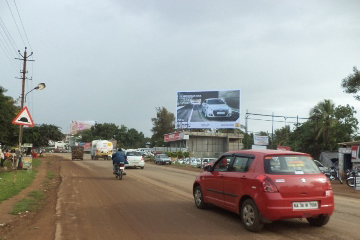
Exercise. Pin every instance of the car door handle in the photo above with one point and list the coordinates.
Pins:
(243, 177)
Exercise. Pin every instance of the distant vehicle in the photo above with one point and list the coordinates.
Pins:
(208, 161)
(101, 149)
(135, 159)
(60, 150)
(266, 185)
(215, 107)
(321, 166)
(195, 162)
(77, 152)
(162, 159)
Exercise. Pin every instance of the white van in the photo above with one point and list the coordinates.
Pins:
(101, 149)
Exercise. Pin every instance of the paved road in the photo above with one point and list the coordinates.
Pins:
(157, 203)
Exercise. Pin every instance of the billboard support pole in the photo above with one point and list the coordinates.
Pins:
(272, 131)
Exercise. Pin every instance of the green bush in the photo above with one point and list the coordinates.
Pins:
(186, 154)
(170, 154)
(180, 154)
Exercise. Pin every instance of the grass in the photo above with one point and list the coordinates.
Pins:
(23, 179)
(50, 175)
(34, 201)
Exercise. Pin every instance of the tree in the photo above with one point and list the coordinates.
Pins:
(303, 139)
(40, 136)
(324, 116)
(281, 136)
(337, 123)
(351, 83)
(126, 138)
(163, 123)
(9, 133)
(86, 135)
(104, 131)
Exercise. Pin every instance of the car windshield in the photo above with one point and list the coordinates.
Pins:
(215, 101)
(290, 165)
(133, 154)
(163, 156)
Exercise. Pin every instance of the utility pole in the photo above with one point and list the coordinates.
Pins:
(25, 59)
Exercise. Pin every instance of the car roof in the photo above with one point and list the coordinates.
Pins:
(267, 152)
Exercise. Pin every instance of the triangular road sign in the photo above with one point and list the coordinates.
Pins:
(24, 118)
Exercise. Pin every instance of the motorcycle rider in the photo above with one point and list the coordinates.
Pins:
(119, 157)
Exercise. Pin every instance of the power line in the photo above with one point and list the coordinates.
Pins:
(15, 23)
(8, 35)
(22, 25)
(12, 63)
(5, 42)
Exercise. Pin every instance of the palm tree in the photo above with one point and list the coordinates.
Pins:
(324, 116)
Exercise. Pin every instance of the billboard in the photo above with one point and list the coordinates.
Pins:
(208, 109)
(78, 126)
(261, 140)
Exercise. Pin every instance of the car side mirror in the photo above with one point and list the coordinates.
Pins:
(207, 168)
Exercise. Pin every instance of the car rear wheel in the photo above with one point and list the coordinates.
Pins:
(318, 221)
(199, 198)
(142, 167)
(250, 216)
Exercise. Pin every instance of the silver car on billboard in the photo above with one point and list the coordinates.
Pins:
(215, 107)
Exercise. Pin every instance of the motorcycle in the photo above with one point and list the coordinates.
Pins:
(333, 173)
(350, 176)
(119, 170)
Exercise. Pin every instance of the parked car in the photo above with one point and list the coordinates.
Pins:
(195, 162)
(162, 159)
(215, 107)
(208, 161)
(135, 159)
(266, 185)
(321, 166)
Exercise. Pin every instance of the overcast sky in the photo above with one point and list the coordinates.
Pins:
(115, 61)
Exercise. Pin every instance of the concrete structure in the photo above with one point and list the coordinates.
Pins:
(348, 156)
(203, 144)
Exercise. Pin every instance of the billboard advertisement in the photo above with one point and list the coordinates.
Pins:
(208, 109)
(78, 126)
(261, 140)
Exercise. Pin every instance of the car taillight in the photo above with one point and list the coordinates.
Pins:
(329, 187)
(142, 158)
(266, 184)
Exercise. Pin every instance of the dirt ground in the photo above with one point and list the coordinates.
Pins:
(27, 225)
(41, 225)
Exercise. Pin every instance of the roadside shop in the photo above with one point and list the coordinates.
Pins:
(205, 145)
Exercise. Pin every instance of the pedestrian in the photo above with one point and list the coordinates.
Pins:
(2, 157)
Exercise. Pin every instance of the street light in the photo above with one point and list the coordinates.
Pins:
(40, 86)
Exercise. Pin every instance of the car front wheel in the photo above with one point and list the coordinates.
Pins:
(318, 221)
(250, 216)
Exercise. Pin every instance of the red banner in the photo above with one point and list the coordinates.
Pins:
(173, 137)
(284, 148)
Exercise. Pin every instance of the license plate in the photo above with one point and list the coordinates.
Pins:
(305, 205)
(122, 168)
(220, 112)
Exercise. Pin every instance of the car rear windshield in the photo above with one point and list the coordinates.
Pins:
(133, 154)
(216, 101)
(290, 165)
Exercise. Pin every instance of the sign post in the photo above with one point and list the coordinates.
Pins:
(23, 118)
(357, 183)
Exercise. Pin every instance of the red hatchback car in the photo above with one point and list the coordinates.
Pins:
(266, 185)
